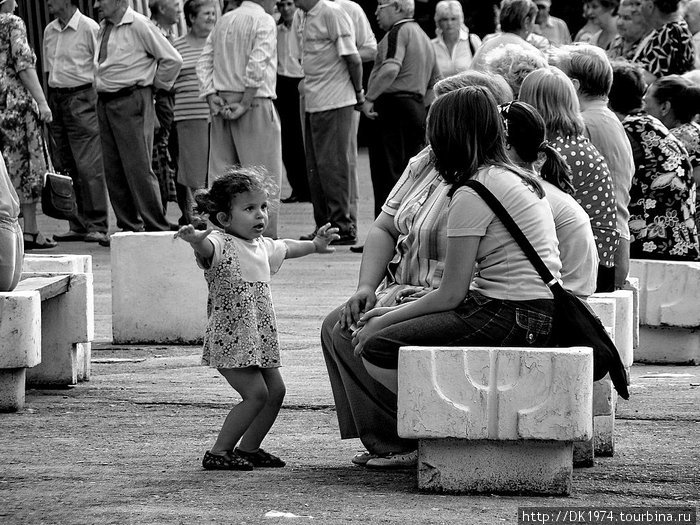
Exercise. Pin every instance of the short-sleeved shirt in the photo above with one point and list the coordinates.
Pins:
(462, 53)
(577, 248)
(407, 46)
(188, 104)
(69, 51)
(668, 51)
(607, 134)
(503, 270)
(324, 36)
(594, 191)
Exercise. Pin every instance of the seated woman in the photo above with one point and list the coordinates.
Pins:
(662, 207)
(553, 95)
(404, 257)
(490, 293)
(525, 134)
(11, 244)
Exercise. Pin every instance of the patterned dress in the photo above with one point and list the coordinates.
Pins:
(668, 51)
(21, 141)
(242, 328)
(594, 191)
(689, 135)
(662, 196)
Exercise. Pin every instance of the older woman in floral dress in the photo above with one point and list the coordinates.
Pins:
(22, 107)
(662, 196)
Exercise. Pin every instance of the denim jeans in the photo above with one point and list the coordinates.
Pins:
(478, 321)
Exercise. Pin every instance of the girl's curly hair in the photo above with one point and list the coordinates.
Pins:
(235, 180)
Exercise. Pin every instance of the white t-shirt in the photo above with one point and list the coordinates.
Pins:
(503, 270)
(578, 251)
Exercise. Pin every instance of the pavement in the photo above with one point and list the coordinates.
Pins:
(126, 446)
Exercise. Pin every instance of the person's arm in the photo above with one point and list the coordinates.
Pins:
(459, 267)
(31, 81)
(622, 263)
(168, 60)
(382, 79)
(354, 64)
(377, 253)
(199, 240)
(321, 243)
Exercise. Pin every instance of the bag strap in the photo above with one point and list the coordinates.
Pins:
(517, 234)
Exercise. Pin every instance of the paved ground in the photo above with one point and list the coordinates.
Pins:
(126, 446)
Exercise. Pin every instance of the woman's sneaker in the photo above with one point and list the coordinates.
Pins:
(394, 460)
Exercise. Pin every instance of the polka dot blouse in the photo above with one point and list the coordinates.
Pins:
(594, 191)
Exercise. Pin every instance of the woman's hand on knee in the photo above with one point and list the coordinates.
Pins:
(358, 304)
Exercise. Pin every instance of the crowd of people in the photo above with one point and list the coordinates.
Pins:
(592, 146)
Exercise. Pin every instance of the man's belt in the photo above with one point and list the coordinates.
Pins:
(108, 96)
(67, 90)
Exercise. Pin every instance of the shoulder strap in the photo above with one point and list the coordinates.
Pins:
(517, 234)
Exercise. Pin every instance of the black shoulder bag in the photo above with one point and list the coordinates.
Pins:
(574, 324)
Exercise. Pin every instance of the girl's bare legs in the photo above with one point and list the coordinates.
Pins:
(251, 385)
(250, 442)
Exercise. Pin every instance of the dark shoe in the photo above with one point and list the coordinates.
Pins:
(309, 237)
(107, 241)
(229, 461)
(261, 458)
(357, 249)
(345, 240)
(290, 200)
(99, 237)
(34, 243)
(173, 227)
(69, 236)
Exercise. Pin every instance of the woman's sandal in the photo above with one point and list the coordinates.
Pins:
(261, 458)
(33, 244)
(228, 461)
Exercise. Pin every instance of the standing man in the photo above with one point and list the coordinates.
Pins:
(164, 14)
(69, 49)
(237, 75)
(332, 87)
(402, 76)
(552, 28)
(289, 74)
(133, 58)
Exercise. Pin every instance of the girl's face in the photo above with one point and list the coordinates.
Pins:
(247, 218)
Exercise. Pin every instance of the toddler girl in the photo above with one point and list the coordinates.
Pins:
(241, 334)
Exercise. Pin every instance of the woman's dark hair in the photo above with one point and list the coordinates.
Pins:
(466, 133)
(526, 132)
(192, 8)
(514, 13)
(667, 6)
(683, 95)
(608, 5)
(235, 180)
(628, 87)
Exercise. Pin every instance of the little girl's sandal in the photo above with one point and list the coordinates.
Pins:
(261, 458)
(228, 461)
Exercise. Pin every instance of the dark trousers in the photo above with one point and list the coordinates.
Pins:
(77, 152)
(365, 409)
(293, 156)
(331, 155)
(396, 135)
(126, 130)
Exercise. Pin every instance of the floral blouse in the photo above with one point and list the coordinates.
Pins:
(15, 56)
(594, 191)
(669, 50)
(662, 196)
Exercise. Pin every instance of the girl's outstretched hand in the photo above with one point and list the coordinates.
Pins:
(324, 236)
(191, 235)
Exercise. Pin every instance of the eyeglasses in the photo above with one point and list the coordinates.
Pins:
(379, 6)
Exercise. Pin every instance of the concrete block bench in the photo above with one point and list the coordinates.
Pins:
(497, 420)
(159, 295)
(669, 313)
(70, 264)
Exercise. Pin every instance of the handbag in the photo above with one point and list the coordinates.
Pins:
(574, 324)
(58, 197)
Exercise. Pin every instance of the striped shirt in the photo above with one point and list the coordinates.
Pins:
(188, 105)
(240, 52)
(418, 202)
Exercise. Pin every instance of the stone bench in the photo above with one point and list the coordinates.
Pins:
(497, 420)
(669, 314)
(26, 318)
(159, 295)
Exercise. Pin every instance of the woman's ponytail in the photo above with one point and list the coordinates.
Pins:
(555, 170)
